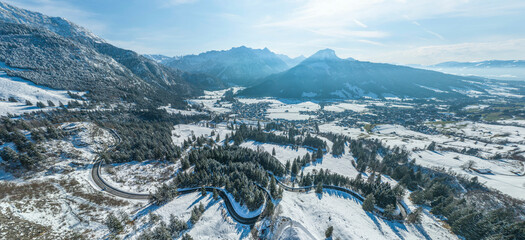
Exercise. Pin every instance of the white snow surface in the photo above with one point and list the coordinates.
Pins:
(291, 111)
(183, 131)
(502, 177)
(340, 107)
(311, 214)
(215, 222)
(23, 90)
(282, 153)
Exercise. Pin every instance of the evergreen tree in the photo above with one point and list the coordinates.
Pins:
(215, 194)
(329, 231)
(389, 211)
(185, 164)
(186, 237)
(295, 168)
(319, 188)
(40, 104)
(369, 202)
(113, 223)
(415, 216)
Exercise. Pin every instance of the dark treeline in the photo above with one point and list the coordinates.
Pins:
(236, 169)
(293, 137)
(28, 154)
(384, 194)
(145, 133)
(454, 197)
(338, 148)
(143, 141)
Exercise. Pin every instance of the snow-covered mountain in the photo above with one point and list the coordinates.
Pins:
(159, 58)
(494, 69)
(483, 64)
(237, 66)
(325, 75)
(54, 52)
(57, 25)
(292, 62)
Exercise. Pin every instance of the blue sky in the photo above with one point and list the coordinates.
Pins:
(395, 31)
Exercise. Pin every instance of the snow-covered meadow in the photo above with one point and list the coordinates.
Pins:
(22, 90)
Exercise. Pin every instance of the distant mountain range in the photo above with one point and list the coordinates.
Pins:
(239, 66)
(324, 75)
(494, 69)
(57, 53)
(483, 64)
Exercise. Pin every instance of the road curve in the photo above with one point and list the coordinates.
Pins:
(95, 173)
(99, 181)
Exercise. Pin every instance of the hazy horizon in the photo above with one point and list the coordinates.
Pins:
(398, 31)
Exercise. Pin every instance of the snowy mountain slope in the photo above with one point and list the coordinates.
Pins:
(59, 54)
(159, 58)
(22, 91)
(57, 25)
(312, 214)
(324, 75)
(292, 62)
(483, 64)
(237, 66)
(494, 69)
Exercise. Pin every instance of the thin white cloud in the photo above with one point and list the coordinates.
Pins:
(360, 23)
(171, 3)
(371, 42)
(435, 34)
(472, 51)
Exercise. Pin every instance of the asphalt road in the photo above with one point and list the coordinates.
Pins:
(95, 175)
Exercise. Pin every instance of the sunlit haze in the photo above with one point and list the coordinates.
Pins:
(397, 31)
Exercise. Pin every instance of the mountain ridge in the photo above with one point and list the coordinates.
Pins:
(237, 66)
(324, 75)
(62, 55)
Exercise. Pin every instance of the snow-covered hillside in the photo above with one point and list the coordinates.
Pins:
(308, 215)
(23, 90)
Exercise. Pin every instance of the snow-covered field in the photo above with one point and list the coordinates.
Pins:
(171, 110)
(139, 177)
(184, 131)
(340, 165)
(282, 153)
(485, 132)
(292, 111)
(62, 199)
(23, 90)
(308, 215)
(210, 98)
(214, 223)
(502, 178)
(340, 107)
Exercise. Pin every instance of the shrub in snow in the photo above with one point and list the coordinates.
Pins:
(40, 104)
(415, 216)
(329, 231)
(113, 223)
(369, 202)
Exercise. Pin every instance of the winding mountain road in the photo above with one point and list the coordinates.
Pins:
(99, 181)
